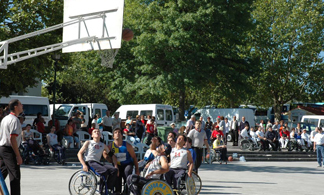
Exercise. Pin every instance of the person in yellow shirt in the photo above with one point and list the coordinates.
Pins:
(219, 145)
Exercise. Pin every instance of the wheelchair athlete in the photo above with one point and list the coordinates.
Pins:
(158, 166)
(219, 146)
(94, 150)
(54, 145)
(179, 160)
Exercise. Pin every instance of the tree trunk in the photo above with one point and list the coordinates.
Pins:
(182, 98)
(277, 108)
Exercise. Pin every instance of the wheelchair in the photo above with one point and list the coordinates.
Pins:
(248, 144)
(214, 156)
(32, 153)
(86, 183)
(157, 187)
(192, 185)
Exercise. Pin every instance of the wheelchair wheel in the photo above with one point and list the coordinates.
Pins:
(245, 145)
(198, 182)
(212, 157)
(190, 184)
(82, 182)
(157, 187)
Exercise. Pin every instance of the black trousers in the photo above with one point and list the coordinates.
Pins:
(274, 144)
(223, 152)
(8, 165)
(235, 136)
(199, 154)
(107, 128)
(124, 172)
(135, 183)
(108, 171)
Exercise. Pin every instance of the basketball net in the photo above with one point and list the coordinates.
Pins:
(108, 57)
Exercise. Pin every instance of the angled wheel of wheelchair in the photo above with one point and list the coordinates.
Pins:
(245, 144)
(198, 182)
(157, 187)
(212, 157)
(190, 184)
(82, 182)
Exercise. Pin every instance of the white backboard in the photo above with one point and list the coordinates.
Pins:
(113, 10)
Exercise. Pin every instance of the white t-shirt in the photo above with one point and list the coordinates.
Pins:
(253, 134)
(179, 158)
(52, 139)
(10, 125)
(94, 121)
(312, 135)
(198, 138)
(227, 127)
(155, 165)
(244, 133)
(107, 121)
(260, 133)
(319, 139)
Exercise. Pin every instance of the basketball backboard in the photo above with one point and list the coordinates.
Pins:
(102, 19)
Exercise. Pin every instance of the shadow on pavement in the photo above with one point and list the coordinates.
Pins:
(239, 167)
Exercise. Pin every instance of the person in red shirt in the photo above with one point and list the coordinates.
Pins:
(150, 132)
(215, 133)
(284, 137)
(40, 125)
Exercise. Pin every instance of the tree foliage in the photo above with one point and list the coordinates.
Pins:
(288, 40)
(21, 17)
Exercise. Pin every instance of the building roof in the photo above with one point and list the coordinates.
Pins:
(315, 111)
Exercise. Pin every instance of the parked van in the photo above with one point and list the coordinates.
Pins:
(213, 113)
(31, 105)
(66, 111)
(317, 120)
(163, 113)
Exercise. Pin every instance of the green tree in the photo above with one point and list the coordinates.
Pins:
(288, 41)
(21, 17)
(181, 47)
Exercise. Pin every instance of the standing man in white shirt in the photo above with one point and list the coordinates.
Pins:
(227, 129)
(235, 131)
(199, 138)
(190, 124)
(10, 138)
(319, 146)
(312, 135)
(107, 122)
(116, 121)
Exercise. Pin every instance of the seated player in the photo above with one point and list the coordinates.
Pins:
(284, 137)
(158, 166)
(262, 139)
(245, 133)
(27, 138)
(131, 135)
(188, 147)
(126, 158)
(254, 136)
(219, 145)
(179, 160)
(94, 149)
(215, 133)
(306, 138)
(272, 138)
(54, 145)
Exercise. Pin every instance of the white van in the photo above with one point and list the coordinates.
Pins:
(163, 113)
(317, 120)
(66, 111)
(213, 113)
(31, 105)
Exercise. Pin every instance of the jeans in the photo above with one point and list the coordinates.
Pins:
(70, 139)
(208, 133)
(320, 154)
(134, 140)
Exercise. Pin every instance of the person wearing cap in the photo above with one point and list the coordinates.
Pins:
(215, 133)
(10, 139)
(199, 138)
(319, 146)
(22, 119)
(219, 145)
(172, 125)
(158, 166)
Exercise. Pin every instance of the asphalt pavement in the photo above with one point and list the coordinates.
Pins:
(234, 178)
